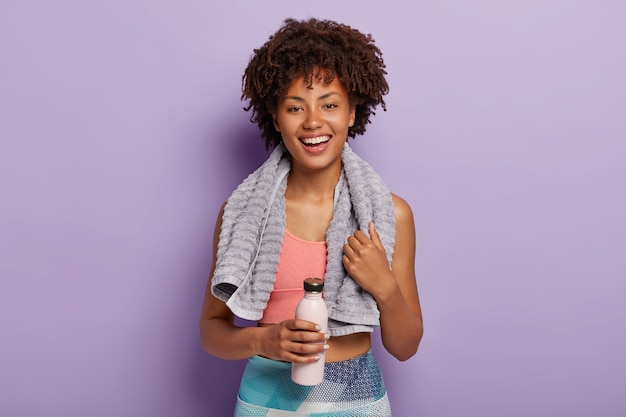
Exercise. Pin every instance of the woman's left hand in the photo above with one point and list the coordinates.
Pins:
(366, 261)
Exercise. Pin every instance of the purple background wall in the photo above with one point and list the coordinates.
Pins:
(122, 132)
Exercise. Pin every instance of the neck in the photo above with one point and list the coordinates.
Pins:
(318, 185)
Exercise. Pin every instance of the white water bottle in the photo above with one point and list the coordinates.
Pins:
(312, 308)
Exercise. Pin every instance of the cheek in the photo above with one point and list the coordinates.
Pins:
(285, 125)
(343, 120)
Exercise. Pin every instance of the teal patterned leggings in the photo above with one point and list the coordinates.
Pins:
(352, 388)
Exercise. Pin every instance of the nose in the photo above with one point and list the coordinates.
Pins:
(313, 120)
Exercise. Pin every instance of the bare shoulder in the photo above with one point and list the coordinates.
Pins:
(402, 211)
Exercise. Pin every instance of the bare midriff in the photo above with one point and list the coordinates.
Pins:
(342, 348)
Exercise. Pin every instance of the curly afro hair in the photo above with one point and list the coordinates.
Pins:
(303, 47)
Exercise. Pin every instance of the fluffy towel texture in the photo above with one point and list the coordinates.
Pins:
(252, 231)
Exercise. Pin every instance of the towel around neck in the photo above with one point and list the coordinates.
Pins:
(252, 230)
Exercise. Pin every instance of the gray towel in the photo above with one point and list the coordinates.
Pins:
(252, 232)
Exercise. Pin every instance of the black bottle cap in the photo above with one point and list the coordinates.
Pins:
(313, 285)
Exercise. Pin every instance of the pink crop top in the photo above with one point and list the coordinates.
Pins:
(299, 259)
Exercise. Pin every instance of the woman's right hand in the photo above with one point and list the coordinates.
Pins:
(297, 341)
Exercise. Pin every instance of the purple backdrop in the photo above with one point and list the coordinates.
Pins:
(122, 132)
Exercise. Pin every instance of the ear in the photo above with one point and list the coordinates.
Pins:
(275, 120)
(352, 116)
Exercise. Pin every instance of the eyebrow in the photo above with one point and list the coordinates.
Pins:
(322, 97)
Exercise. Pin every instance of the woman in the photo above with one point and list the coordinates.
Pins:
(313, 208)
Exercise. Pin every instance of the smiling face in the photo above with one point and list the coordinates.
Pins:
(313, 122)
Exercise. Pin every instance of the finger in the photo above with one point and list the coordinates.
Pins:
(361, 237)
(299, 324)
(309, 348)
(348, 250)
(354, 242)
(374, 235)
(346, 262)
(309, 338)
(305, 357)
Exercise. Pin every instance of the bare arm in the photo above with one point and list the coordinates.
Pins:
(395, 289)
(219, 336)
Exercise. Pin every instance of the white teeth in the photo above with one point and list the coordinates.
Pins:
(315, 141)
